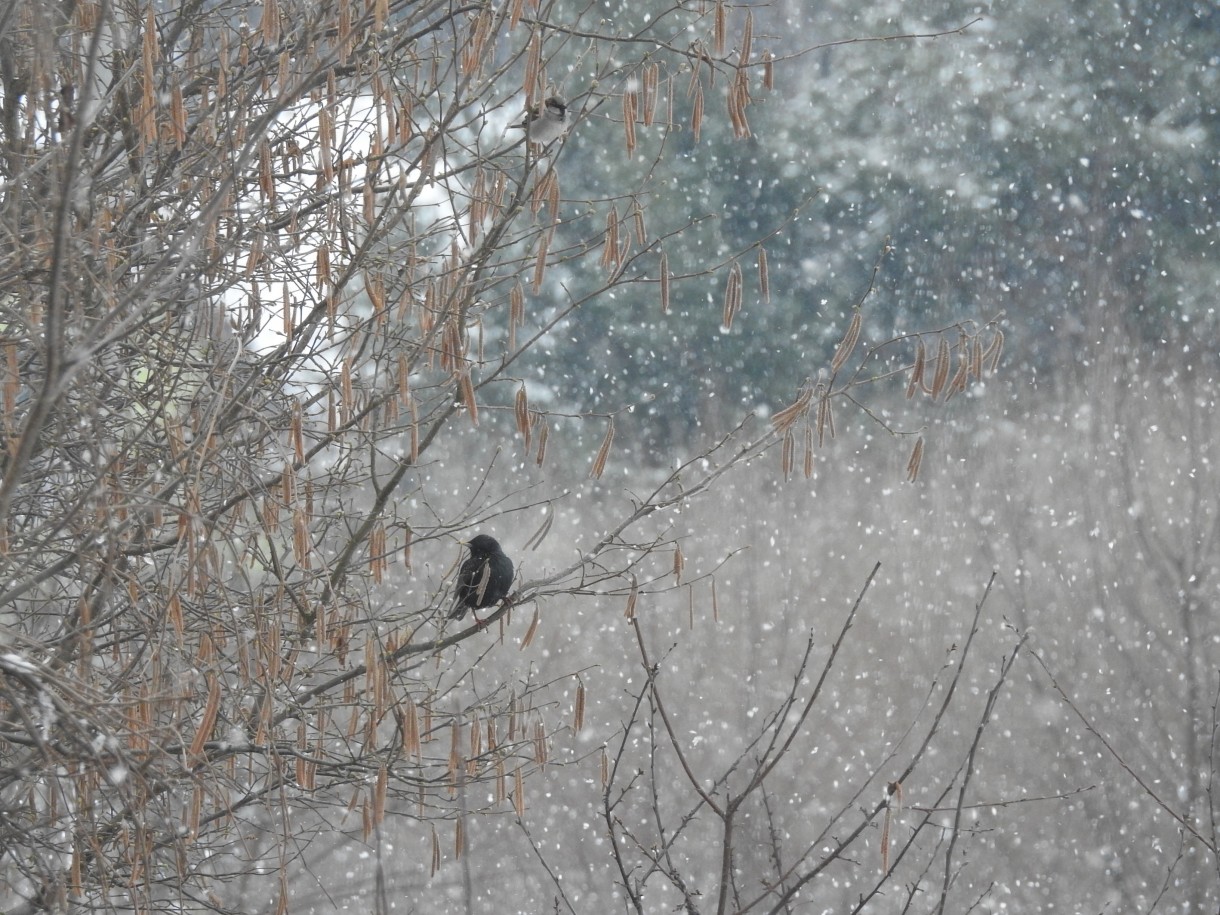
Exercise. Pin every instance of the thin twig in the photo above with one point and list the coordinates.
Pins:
(1184, 822)
(955, 830)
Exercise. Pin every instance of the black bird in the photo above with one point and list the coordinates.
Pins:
(484, 578)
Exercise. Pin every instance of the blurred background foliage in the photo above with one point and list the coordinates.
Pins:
(1056, 162)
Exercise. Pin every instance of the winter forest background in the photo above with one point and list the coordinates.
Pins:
(843, 386)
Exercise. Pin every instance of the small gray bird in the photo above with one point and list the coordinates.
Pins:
(547, 123)
(484, 578)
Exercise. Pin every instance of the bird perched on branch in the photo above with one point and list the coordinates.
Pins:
(547, 122)
(484, 578)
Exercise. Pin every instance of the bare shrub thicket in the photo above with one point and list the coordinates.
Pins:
(267, 277)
